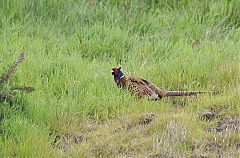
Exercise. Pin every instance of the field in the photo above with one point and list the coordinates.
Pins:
(77, 110)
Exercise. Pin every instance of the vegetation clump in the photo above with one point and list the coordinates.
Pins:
(8, 91)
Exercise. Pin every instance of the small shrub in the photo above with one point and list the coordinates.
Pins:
(7, 91)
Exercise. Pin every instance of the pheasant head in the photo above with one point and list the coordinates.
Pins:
(117, 73)
(119, 77)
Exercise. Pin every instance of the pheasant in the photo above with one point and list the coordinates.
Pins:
(145, 89)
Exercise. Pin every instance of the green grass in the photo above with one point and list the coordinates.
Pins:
(71, 47)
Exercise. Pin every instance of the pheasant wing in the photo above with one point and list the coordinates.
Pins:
(157, 90)
(142, 88)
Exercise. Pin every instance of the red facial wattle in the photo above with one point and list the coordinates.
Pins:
(115, 71)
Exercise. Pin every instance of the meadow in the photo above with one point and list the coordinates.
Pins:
(76, 109)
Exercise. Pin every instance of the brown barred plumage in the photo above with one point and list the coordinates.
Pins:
(145, 89)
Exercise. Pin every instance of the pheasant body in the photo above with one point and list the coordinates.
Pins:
(145, 89)
(140, 87)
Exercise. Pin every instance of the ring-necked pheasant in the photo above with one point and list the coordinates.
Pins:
(145, 89)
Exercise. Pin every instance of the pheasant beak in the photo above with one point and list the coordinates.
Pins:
(112, 72)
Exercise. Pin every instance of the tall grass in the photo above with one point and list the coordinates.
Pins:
(72, 45)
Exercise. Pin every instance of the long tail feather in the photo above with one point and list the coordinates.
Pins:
(182, 93)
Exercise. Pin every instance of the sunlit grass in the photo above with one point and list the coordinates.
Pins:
(70, 48)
